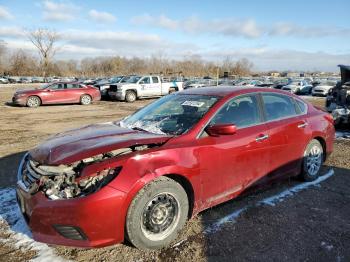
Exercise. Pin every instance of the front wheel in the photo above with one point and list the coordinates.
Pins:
(312, 162)
(85, 100)
(130, 96)
(157, 214)
(33, 101)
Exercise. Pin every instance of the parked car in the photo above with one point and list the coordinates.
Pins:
(13, 79)
(338, 98)
(37, 80)
(4, 80)
(104, 84)
(323, 88)
(25, 80)
(298, 87)
(57, 93)
(141, 178)
(193, 84)
(141, 87)
(249, 83)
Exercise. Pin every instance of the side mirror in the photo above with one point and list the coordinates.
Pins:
(221, 129)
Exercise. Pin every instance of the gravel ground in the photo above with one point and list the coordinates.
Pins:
(308, 224)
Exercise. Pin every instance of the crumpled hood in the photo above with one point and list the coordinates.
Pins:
(88, 141)
(26, 91)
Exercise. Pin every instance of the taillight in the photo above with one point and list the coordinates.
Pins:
(329, 118)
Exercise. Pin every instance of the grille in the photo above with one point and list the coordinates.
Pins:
(70, 232)
(113, 88)
(29, 176)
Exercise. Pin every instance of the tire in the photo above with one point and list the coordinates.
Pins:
(85, 100)
(33, 101)
(162, 202)
(312, 161)
(130, 96)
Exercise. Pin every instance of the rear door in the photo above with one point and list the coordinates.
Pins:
(229, 163)
(288, 133)
(73, 93)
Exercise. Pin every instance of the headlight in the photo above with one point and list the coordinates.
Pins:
(67, 186)
(94, 183)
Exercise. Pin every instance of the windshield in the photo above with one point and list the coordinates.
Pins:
(170, 115)
(133, 79)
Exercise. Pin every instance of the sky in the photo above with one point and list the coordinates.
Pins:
(274, 35)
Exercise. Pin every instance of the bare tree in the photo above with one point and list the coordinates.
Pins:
(22, 64)
(45, 41)
(2, 56)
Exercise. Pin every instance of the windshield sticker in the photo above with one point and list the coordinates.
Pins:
(193, 103)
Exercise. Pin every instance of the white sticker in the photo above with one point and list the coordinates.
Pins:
(193, 103)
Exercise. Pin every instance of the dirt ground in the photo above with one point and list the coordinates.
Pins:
(309, 225)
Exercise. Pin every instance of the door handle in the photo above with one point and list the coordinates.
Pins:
(302, 125)
(261, 138)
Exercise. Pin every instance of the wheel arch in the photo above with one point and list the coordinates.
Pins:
(41, 101)
(323, 144)
(86, 94)
(186, 184)
(133, 90)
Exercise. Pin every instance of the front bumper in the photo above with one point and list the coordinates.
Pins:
(319, 92)
(22, 101)
(99, 217)
(118, 95)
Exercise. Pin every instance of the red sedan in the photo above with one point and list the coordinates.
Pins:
(140, 179)
(57, 93)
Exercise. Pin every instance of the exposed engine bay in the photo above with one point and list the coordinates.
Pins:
(338, 99)
(65, 181)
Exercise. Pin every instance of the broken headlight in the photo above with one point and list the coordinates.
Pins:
(66, 186)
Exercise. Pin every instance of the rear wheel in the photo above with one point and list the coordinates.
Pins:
(85, 100)
(312, 162)
(33, 101)
(157, 214)
(130, 96)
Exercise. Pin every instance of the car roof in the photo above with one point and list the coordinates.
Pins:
(66, 82)
(229, 90)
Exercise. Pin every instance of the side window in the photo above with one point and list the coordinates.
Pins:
(56, 86)
(154, 79)
(242, 111)
(278, 106)
(72, 86)
(302, 106)
(145, 80)
(53, 87)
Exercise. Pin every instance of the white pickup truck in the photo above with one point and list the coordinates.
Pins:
(141, 87)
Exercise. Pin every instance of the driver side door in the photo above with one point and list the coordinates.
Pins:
(53, 94)
(230, 163)
(146, 86)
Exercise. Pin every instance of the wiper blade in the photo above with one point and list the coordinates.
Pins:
(139, 129)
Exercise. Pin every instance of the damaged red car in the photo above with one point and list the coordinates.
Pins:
(57, 93)
(141, 178)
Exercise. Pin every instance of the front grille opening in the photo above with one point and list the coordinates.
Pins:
(70, 232)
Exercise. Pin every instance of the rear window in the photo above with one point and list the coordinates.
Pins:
(155, 79)
(301, 106)
(278, 106)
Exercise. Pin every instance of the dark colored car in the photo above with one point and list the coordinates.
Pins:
(141, 178)
(57, 93)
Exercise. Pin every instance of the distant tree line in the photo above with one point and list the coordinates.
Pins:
(21, 63)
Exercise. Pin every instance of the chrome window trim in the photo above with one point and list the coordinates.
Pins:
(200, 133)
